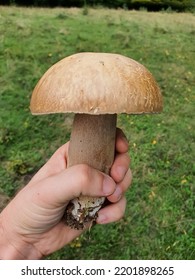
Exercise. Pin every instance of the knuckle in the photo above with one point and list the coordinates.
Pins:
(123, 206)
(129, 177)
(120, 209)
(127, 159)
(126, 182)
(85, 174)
(123, 159)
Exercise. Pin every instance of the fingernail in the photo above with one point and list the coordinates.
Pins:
(102, 219)
(125, 139)
(118, 193)
(108, 186)
(123, 136)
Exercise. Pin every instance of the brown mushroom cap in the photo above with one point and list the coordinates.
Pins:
(96, 83)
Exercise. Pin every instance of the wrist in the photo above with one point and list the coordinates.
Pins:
(13, 247)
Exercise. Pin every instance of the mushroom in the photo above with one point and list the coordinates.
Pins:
(96, 87)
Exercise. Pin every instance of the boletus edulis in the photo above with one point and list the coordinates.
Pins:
(96, 87)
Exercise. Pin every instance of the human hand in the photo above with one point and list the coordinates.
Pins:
(32, 224)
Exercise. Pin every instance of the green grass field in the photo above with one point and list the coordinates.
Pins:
(160, 216)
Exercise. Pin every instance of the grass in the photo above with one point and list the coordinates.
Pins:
(160, 220)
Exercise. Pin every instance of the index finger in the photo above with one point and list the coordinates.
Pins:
(56, 164)
(122, 144)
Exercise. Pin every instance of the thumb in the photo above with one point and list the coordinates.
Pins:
(73, 182)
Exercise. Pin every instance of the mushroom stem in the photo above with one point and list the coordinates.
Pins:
(93, 143)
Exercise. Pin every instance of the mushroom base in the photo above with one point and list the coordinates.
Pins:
(93, 143)
(83, 211)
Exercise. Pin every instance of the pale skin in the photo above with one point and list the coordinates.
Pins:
(32, 225)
